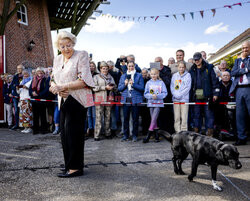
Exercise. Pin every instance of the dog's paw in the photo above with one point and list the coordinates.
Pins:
(215, 186)
(182, 173)
(190, 177)
(176, 171)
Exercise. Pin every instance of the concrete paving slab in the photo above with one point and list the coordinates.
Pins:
(115, 171)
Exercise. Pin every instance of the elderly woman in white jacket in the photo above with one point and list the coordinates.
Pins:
(25, 114)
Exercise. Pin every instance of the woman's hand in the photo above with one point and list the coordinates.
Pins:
(131, 82)
(108, 87)
(126, 82)
(64, 94)
(55, 89)
(34, 93)
(154, 96)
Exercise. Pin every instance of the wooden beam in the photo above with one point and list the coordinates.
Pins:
(5, 16)
(74, 16)
(87, 14)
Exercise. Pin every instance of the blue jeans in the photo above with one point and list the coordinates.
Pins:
(56, 115)
(135, 117)
(242, 109)
(15, 103)
(198, 116)
(113, 118)
(91, 117)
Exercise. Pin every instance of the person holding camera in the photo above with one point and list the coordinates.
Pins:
(104, 92)
(131, 86)
(121, 63)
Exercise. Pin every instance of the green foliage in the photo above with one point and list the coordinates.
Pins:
(230, 61)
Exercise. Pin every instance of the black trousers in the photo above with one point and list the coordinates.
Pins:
(72, 120)
(39, 113)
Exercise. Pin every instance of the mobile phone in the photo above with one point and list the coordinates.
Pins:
(20, 86)
(128, 77)
(111, 84)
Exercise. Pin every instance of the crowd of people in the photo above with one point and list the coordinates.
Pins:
(108, 99)
(128, 97)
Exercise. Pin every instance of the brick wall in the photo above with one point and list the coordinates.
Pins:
(18, 37)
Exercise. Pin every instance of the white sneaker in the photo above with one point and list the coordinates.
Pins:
(28, 130)
(24, 130)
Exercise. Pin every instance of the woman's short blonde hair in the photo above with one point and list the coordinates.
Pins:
(40, 69)
(64, 35)
(103, 64)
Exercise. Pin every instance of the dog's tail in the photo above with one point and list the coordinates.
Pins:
(166, 135)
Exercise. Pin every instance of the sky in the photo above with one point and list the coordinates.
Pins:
(107, 38)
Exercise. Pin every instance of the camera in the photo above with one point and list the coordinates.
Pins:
(111, 84)
(128, 77)
(122, 60)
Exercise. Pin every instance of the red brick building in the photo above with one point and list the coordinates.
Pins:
(34, 27)
(27, 35)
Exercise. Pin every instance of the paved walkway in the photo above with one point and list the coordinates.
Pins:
(115, 171)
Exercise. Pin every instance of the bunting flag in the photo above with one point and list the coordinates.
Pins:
(192, 14)
(229, 6)
(202, 13)
(213, 11)
(237, 4)
(183, 15)
(155, 18)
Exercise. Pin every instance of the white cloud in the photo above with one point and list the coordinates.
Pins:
(107, 24)
(218, 28)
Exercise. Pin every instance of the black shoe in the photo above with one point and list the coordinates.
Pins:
(14, 127)
(74, 174)
(109, 137)
(146, 140)
(9, 127)
(97, 139)
(156, 135)
(35, 132)
(240, 142)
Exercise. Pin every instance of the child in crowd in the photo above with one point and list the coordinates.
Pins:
(25, 115)
(180, 87)
(155, 92)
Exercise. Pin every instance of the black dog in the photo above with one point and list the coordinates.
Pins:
(203, 150)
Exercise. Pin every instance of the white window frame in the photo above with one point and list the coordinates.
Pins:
(23, 13)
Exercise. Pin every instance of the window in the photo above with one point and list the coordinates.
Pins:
(22, 15)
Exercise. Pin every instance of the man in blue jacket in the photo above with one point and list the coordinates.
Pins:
(205, 87)
(241, 88)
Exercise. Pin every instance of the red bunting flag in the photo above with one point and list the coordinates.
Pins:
(166, 15)
(202, 13)
(229, 6)
(213, 11)
(183, 15)
(156, 18)
(237, 4)
(175, 17)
